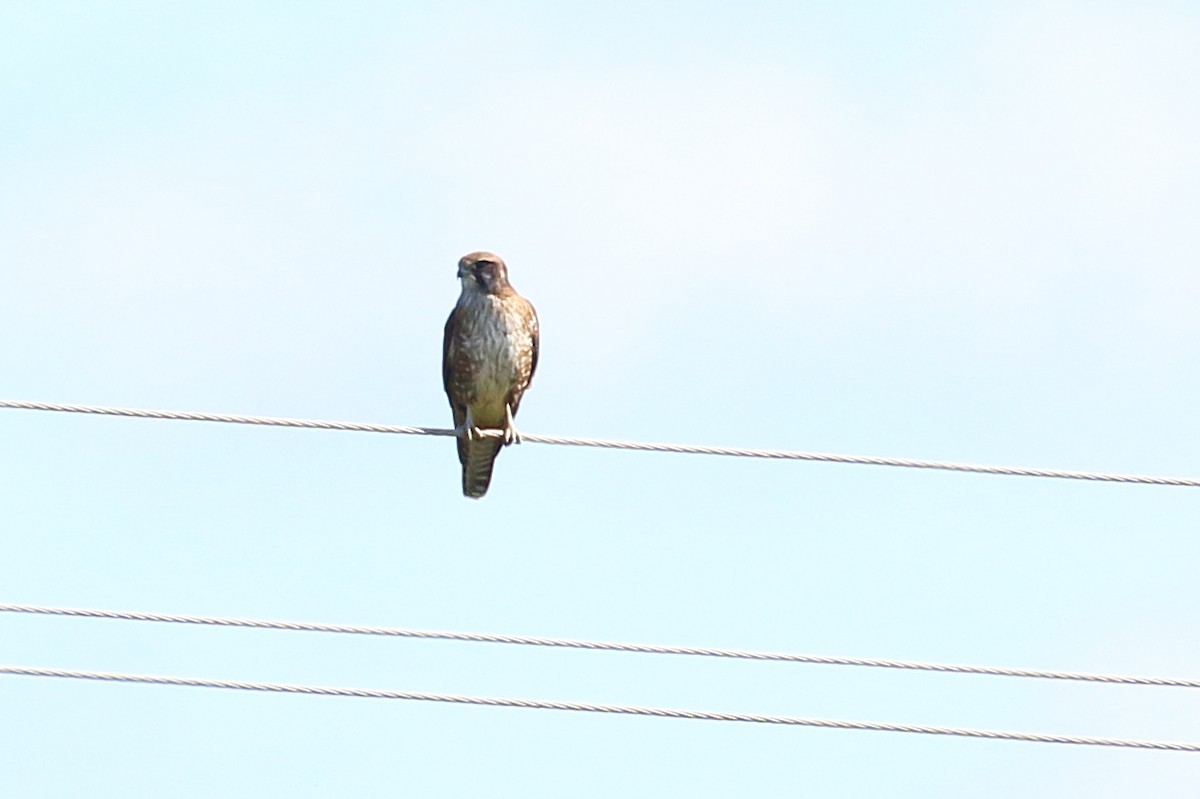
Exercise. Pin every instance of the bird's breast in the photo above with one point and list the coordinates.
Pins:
(494, 340)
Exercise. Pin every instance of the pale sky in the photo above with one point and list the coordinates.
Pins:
(946, 231)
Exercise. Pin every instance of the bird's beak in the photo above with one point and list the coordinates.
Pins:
(463, 270)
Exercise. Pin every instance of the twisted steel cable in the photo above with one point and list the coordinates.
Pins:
(688, 449)
(609, 646)
(630, 710)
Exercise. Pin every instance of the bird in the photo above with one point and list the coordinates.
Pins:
(489, 355)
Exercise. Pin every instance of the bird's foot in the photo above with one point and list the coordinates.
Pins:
(470, 433)
(467, 429)
(511, 434)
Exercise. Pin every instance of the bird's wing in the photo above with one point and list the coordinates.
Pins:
(448, 348)
(536, 336)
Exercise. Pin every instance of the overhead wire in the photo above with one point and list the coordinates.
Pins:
(599, 645)
(690, 449)
(630, 710)
(610, 646)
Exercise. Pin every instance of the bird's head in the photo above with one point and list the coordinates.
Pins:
(482, 271)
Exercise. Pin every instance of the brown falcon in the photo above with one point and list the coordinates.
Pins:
(489, 353)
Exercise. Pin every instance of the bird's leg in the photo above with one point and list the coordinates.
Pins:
(467, 429)
(511, 435)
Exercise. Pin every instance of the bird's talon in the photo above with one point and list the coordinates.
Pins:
(511, 436)
(469, 432)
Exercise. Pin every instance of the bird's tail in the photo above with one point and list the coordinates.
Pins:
(477, 458)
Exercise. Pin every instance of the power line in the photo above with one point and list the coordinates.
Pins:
(630, 710)
(570, 643)
(689, 449)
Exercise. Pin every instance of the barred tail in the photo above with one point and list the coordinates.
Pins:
(477, 458)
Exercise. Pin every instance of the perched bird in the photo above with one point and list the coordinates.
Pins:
(489, 354)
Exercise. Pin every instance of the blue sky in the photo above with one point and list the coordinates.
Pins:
(947, 231)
